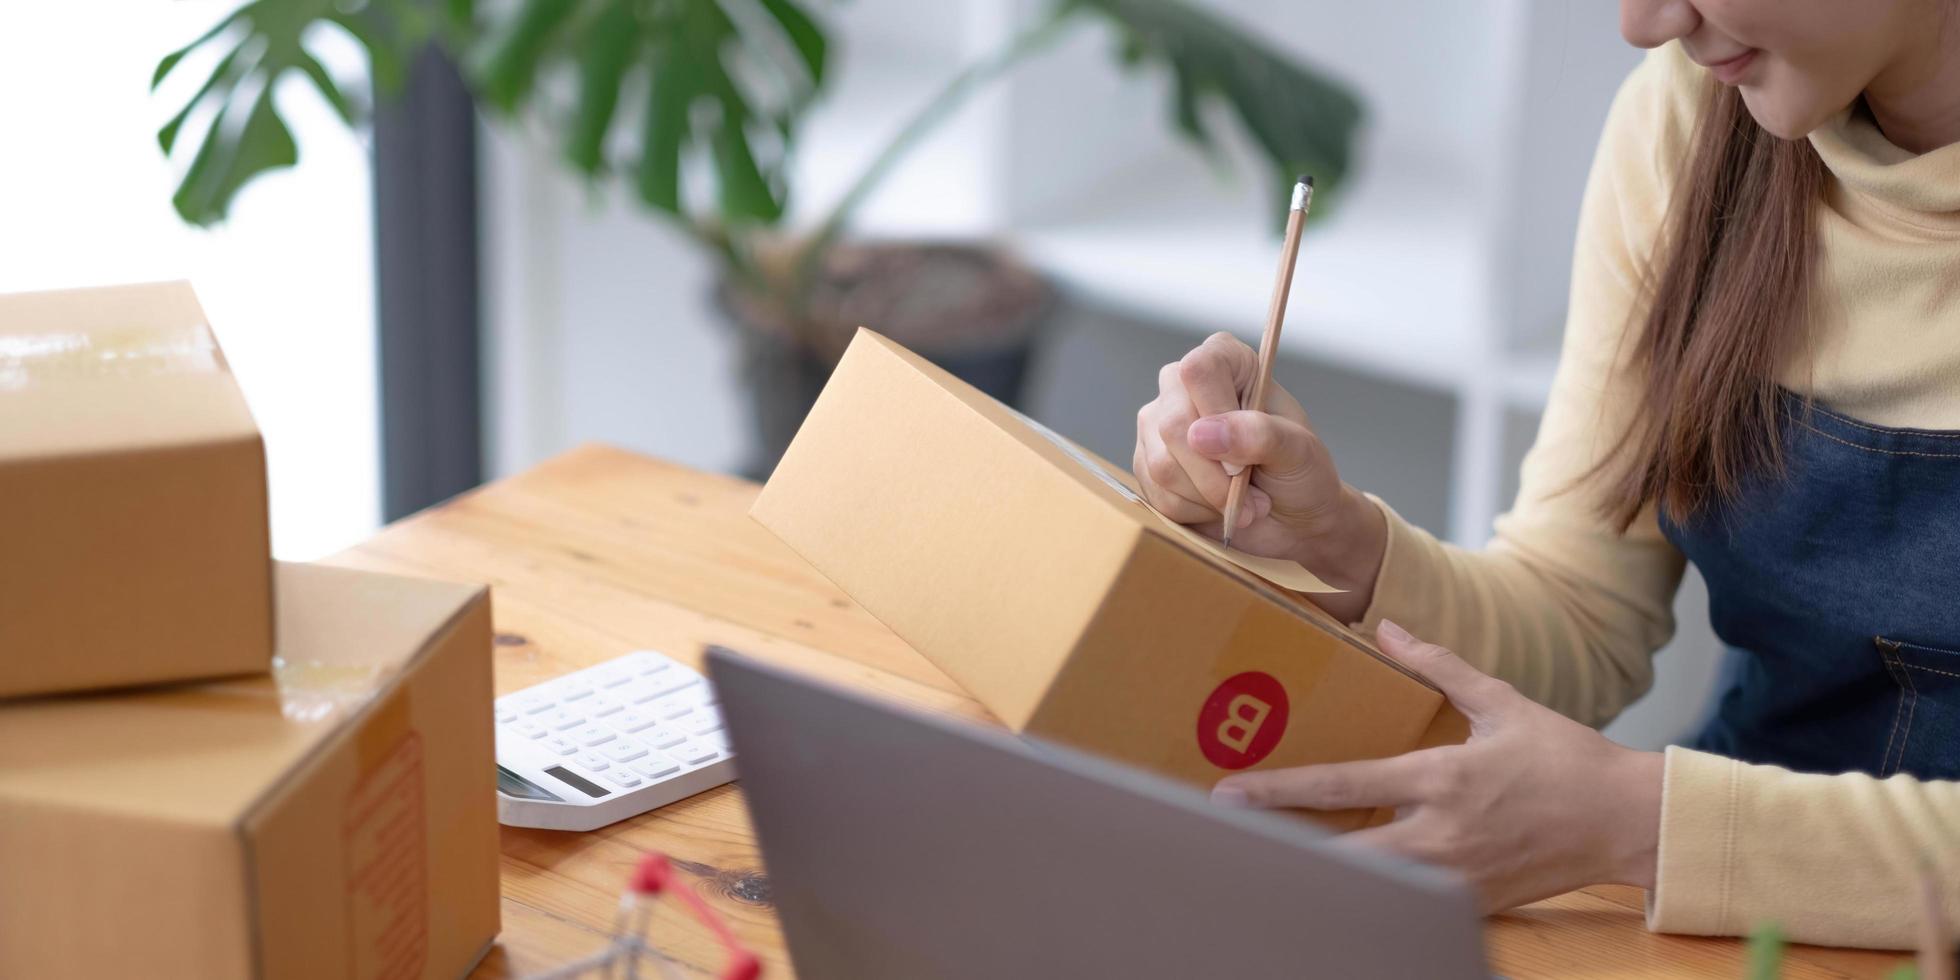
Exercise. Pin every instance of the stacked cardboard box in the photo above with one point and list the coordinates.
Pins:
(134, 486)
(327, 812)
(1032, 573)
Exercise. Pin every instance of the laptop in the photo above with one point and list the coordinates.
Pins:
(904, 846)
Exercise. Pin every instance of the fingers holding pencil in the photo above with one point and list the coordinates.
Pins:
(1269, 341)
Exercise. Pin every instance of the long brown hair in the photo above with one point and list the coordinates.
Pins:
(1729, 288)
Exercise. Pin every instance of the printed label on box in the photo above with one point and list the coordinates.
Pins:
(1242, 721)
(387, 854)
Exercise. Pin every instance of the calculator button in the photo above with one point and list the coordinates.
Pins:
(593, 735)
(614, 678)
(531, 704)
(506, 717)
(622, 751)
(663, 737)
(572, 692)
(592, 761)
(654, 665)
(667, 684)
(560, 745)
(715, 740)
(656, 768)
(600, 706)
(701, 724)
(562, 719)
(673, 708)
(621, 777)
(693, 753)
(632, 721)
(699, 696)
(528, 729)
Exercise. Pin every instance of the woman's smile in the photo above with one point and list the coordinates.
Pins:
(1730, 70)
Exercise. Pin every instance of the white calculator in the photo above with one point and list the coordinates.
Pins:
(608, 742)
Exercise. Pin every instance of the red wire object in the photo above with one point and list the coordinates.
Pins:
(629, 950)
(656, 877)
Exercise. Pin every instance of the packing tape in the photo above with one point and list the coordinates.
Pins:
(35, 358)
(314, 690)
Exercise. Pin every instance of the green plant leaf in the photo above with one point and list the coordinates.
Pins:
(328, 89)
(745, 192)
(171, 60)
(1302, 121)
(224, 72)
(1765, 952)
(697, 64)
(804, 33)
(605, 52)
(247, 137)
(227, 161)
(663, 136)
(510, 68)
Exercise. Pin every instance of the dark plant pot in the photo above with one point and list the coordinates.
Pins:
(972, 310)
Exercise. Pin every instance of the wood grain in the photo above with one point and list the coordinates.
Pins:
(601, 551)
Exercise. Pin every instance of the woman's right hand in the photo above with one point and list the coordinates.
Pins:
(1193, 436)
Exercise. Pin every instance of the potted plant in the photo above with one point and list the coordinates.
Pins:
(695, 104)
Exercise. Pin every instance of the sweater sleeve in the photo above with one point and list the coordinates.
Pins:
(1560, 603)
(1833, 860)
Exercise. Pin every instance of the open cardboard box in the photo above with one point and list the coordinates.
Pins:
(1032, 573)
(133, 539)
(334, 819)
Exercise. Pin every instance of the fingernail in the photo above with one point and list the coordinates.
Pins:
(1388, 628)
(1210, 436)
(1232, 469)
(1247, 515)
(1230, 796)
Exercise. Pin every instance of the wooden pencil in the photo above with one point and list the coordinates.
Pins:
(1289, 257)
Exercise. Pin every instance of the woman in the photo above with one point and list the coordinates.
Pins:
(1761, 375)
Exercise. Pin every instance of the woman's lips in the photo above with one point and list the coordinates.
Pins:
(1730, 72)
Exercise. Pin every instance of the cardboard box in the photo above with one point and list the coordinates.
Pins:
(1030, 572)
(134, 486)
(339, 821)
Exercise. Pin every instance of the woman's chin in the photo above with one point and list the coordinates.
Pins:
(1784, 117)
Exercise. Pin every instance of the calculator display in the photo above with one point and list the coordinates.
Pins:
(576, 781)
(512, 784)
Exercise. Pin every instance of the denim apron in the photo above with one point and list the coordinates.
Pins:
(1836, 586)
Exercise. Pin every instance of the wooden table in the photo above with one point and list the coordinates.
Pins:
(601, 551)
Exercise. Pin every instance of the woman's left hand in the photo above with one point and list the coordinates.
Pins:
(1533, 805)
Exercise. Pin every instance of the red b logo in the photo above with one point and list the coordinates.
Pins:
(1242, 720)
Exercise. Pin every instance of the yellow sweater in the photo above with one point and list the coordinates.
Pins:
(1571, 612)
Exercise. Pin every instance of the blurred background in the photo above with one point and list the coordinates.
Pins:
(441, 242)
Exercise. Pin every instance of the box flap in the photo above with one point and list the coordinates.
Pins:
(205, 752)
(853, 498)
(119, 367)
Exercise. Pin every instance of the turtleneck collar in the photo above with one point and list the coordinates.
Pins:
(1865, 162)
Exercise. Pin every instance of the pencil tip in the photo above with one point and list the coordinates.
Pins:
(1225, 539)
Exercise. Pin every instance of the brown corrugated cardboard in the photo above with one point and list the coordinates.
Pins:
(334, 819)
(134, 487)
(1030, 572)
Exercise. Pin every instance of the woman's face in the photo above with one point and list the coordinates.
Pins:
(1797, 62)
